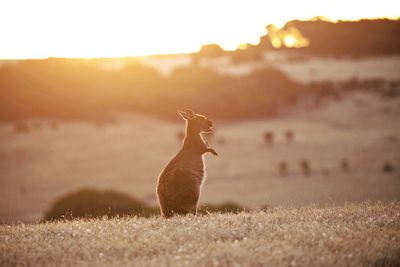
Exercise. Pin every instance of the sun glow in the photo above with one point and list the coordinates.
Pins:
(287, 37)
(44, 28)
(289, 40)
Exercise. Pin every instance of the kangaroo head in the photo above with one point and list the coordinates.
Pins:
(196, 123)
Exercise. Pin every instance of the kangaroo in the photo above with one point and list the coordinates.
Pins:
(269, 137)
(178, 187)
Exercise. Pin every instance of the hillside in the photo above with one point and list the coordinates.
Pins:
(366, 234)
(39, 166)
(80, 89)
(363, 38)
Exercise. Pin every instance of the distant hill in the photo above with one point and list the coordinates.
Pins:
(345, 38)
(73, 88)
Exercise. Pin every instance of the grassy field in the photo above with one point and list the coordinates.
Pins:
(128, 155)
(366, 234)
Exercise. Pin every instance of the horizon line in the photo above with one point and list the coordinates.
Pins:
(176, 53)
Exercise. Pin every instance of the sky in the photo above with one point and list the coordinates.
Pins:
(85, 28)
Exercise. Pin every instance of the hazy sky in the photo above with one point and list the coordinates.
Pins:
(84, 28)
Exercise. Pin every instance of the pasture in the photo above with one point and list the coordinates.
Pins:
(364, 234)
(128, 154)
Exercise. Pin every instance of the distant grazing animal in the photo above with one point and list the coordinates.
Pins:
(283, 168)
(268, 137)
(305, 167)
(289, 136)
(344, 164)
(387, 167)
(22, 127)
(178, 187)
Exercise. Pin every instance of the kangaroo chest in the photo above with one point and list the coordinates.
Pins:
(198, 166)
(195, 165)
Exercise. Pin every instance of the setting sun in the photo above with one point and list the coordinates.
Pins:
(38, 29)
(199, 133)
(290, 41)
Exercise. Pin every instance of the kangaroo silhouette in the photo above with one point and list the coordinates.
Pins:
(178, 187)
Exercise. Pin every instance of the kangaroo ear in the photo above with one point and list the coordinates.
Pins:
(187, 114)
(190, 114)
(183, 114)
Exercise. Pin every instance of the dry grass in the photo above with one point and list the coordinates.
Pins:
(127, 156)
(352, 235)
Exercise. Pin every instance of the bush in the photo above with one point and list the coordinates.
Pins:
(89, 203)
(93, 203)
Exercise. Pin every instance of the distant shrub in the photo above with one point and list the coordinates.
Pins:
(227, 207)
(87, 203)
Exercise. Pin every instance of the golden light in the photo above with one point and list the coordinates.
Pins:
(243, 46)
(288, 37)
(276, 42)
(73, 28)
(289, 41)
